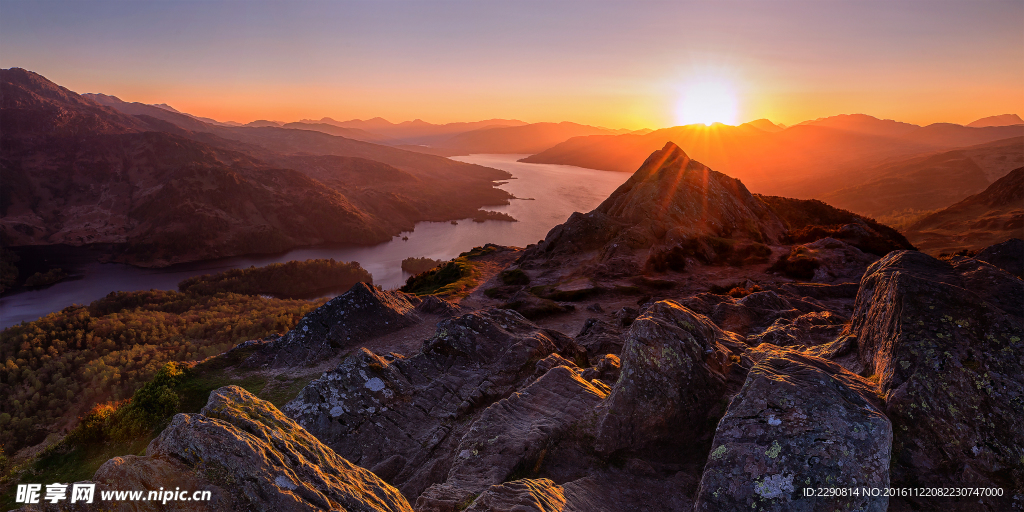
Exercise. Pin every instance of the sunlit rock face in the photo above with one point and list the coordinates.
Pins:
(798, 422)
(945, 342)
(251, 457)
(675, 364)
(405, 418)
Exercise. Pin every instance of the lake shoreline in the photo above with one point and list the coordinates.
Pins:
(550, 193)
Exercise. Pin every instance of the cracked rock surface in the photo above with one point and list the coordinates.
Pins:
(797, 422)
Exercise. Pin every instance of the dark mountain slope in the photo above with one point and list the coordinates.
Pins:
(981, 220)
(156, 191)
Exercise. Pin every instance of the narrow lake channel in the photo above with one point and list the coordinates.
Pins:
(548, 195)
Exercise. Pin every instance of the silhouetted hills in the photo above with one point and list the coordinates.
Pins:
(761, 124)
(529, 138)
(416, 131)
(330, 129)
(34, 107)
(986, 218)
(1000, 120)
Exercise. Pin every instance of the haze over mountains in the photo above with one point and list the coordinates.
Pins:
(850, 159)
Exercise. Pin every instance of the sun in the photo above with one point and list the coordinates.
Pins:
(707, 102)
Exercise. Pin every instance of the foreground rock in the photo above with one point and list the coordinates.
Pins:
(944, 341)
(511, 434)
(406, 418)
(798, 422)
(615, 491)
(675, 366)
(251, 458)
(1008, 255)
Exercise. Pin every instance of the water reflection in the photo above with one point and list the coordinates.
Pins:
(550, 193)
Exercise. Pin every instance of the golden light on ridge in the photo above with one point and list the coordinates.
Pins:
(707, 102)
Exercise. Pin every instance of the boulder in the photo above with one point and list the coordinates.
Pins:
(752, 314)
(944, 342)
(824, 261)
(346, 321)
(1008, 255)
(798, 422)
(512, 434)
(807, 330)
(251, 457)
(675, 365)
(599, 338)
(611, 491)
(405, 418)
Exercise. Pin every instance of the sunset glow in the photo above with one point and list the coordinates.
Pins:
(464, 61)
(707, 102)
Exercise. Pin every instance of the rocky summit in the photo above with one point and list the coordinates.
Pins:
(687, 346)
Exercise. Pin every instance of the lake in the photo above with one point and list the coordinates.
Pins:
(548, 195)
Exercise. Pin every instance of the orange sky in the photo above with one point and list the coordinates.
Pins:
(613, 64)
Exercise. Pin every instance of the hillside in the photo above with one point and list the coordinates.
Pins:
(986, 218)
(929, 182)
(157, 187)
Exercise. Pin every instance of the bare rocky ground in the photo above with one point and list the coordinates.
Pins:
(686, 346)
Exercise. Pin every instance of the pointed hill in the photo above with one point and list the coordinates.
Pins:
(674, 211)
(989, 217)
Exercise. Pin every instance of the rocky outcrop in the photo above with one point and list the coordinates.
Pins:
(512, 434)
(798, 422)
(754, 313)
(670, 201)
(807, 330)
(599, 337)
(944, 341)
(346, 321)
(406, 418)
(675, 366)
(824, 261)
(251, 457)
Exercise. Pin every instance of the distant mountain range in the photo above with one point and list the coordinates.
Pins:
(154, 186)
